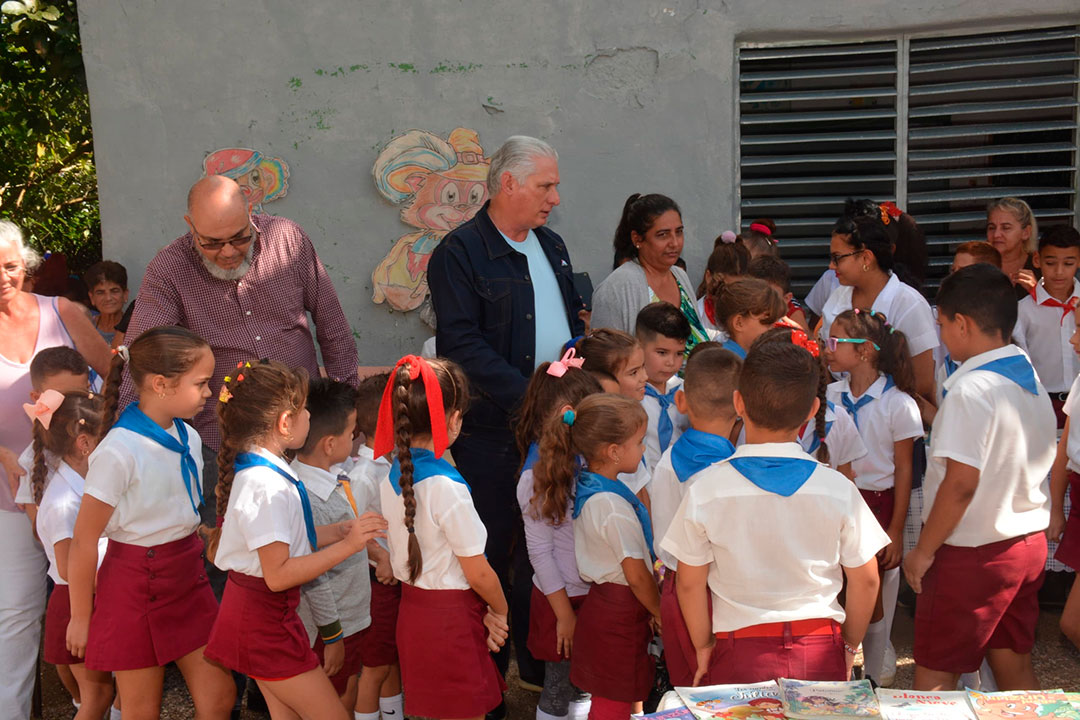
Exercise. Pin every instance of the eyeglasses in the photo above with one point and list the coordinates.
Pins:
(12, 269)
(236, 242)
(835, 259)
(833, 342)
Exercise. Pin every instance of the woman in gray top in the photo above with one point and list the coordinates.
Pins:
(650, 234)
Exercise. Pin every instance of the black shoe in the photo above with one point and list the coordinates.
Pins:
(499, 713)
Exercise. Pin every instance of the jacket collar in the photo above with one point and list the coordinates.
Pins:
(494, 242)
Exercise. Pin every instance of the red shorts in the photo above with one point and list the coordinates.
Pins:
(1068, 550)
(679, 653)
(153, 605)
(379, 640)
(783, 650)
(353, 659)
(258, 632)
(881, 503)
(979, 598)
(542, 623)
(445, 662)
(57, 617)
(611, 645)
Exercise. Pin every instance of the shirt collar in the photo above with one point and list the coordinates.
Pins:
(783, 450)
(74, 480)
(876, 389)
(978, 360)
(368, 454)
(1041, 295)
(885, 297)
(316, 480)
(276, 459)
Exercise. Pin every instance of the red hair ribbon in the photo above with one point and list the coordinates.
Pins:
(384, 430)
(889, 211)
(798, 337)
(761, 228)
(569, 360)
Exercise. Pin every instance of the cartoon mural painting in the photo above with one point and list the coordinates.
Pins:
(439, 184)
(263, 179)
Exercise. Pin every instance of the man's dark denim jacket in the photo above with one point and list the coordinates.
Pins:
(483, 301)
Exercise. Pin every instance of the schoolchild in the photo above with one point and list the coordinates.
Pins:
(777, 273)
(705, 398)
(744, 310)
(727, 262)
(153, 603)
(269, 543)
(612, 546)
(68, 426)
(662, 331)
(752, 511)
(453, 613)
(558, 590)
(980, 557)
(878, 391)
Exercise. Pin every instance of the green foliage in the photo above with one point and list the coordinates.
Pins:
(48, 184)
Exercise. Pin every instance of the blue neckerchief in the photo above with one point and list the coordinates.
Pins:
(425, 464)
(696, 450)
(950, 365)
(589, 483)
(815, 441)
(734, 347)
(246, 460)
(1014, 367)
(135, 420)
(779, 475)
(853, 407)
(531, 457)
(664, 428)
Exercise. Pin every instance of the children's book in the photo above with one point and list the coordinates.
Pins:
(679, 713)
(925, 705)
(759, 701)
(809, 700)
(1025, 705)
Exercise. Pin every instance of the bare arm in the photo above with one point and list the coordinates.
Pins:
(923, 365)
(902, 456)
(862, 590)
(847, 471)
(485, 583)
(953, 498)
(282, 572)
(692, 588)
(565, 621)
(82, 569)
(1059, 483)
(87, 339)
(642, 583)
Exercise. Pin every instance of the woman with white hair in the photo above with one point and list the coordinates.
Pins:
(28, 323)
(1012, 229)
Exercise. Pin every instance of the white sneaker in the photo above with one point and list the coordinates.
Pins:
(888, 666)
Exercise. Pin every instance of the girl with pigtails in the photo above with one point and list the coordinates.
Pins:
(68, 426)
(453, 611)
(832, 437)
(878, 392)
(269, 544)
(143, 488)
(613, 546)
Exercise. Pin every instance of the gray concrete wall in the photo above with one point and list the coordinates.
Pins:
(636, 96)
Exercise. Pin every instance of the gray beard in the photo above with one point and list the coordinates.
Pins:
(234, 274)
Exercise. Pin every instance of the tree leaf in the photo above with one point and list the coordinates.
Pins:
(13, 7)
(15, 26)
(50, 13)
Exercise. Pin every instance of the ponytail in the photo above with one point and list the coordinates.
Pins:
(37, 475)
(894, 357)
(553, 473)
(403, 445)
(111, 391)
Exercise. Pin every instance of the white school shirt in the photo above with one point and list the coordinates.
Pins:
(841, 436)
(1044, 333)
(679, 423)
(904, 308)
(144, 483)
(1072, 447)
(711, 329)
(446, 525)
(605, 533)
(366, 473)
(773, 558)
(637, 480)
(665, 495)
(989, 422)
(891, 417)
(821, 291)
(264, 508)
(25, 494)
(56, 516)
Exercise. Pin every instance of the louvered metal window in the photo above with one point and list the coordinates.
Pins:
(941, 125)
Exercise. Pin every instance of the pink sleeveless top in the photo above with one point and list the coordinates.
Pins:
(15, 389)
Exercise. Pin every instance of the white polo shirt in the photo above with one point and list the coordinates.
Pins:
(56, 516)
(605, 533)
(144, 483)
(446, 525)
(1072, 404)
(665, 495)
(640, 478)
(773, 558)
(815, 299)
(841, 437)
(904, 308)
(890, 417)
(1044, 332)
(990, 423)
(679, 423)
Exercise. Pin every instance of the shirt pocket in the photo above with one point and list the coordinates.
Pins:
(497, 303)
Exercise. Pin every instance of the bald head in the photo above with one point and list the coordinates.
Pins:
(215, 194)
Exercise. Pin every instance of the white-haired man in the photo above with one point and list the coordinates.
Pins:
(502, 289)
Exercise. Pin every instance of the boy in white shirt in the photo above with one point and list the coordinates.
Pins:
(770, 534)
(662, 330)
(980, 557)
(1043, 326)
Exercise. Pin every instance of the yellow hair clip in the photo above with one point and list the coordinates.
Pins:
(224, 396)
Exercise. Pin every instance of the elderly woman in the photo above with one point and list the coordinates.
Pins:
(28, 323)
(650, 237)
(1012, 229)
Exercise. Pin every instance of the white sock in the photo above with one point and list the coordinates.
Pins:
(114, 713)
(541, 715)
(366, 716)
(579, 709)
(873, 649)
(968, 680)
(393, 707)
(890, 587)
(986, 678)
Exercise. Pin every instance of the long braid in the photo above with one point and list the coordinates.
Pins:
(37, 476)
(112, 393)
(819, 420)
(226, 462)
(403, 443)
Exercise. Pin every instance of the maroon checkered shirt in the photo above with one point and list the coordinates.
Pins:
(261, 315)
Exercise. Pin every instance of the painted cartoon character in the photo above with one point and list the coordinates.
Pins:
(764, 708)
(263, 179)
(439, 184)
(1027, 706)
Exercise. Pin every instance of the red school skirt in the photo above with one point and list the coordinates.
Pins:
(57, 617)
(258, 632)
(542, 642)
(153, 605)
(611, 645)
(1068, 550)
(379, 640)
(445, 663)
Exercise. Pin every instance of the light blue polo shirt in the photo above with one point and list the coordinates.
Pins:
(552, 327)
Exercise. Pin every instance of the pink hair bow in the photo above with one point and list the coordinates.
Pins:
(43, 409)
(569, 360)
